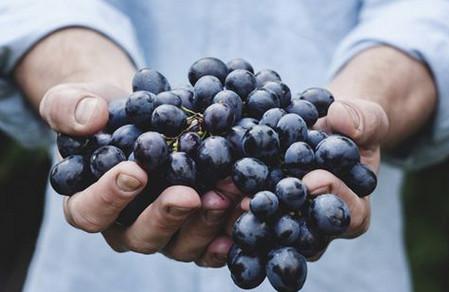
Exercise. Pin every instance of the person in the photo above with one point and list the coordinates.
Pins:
(385, 61)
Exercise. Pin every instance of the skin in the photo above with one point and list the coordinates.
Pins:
(388, 96)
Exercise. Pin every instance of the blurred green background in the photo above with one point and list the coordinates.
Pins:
(23, 175)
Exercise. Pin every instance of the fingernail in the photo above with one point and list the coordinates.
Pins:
(128, 183)
(85, 109)
(176, 211)
(215, 215)
(353, 114)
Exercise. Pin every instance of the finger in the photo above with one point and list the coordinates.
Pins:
(194, 237)
(95, 208)
(235, 214)
(227, 188)
(321, 182)
(216, 254)
(78, 109)
(154, 228)
(363, 121)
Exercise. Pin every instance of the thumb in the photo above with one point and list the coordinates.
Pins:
(363, 121)
(77, 109)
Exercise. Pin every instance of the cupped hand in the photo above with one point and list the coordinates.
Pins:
(180, 223)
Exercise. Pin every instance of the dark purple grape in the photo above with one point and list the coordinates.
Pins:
(70, 175)
(264, 205)
(310, 243)
(98, 140)
(314, 137)
(286, 269)
(189, 143)
(247, 270)
(286, 230)
(235, 139)
(181, 170)
(330, 215)
(247, 123)
(272, 116)
(239, 63)
(259, 101)
(167, 97)
(207, 66)
(338, 154)
(281, 90)
(150, 80)
(291, 128)
(214, 159)
(304, 109)
(261, 142)
(139, 107)
(187, 97)
(361, 180)
(117, 115)
(292, 193)
(266, 75)
(250, 233)
(299, 159)
(205, 89)
(241, 82)
(249, 175)
(320, 98)
(151, 150)
(169, 120)
(276, 174)
(124, 138)
(232, 99)
(218, 118)
(105, 158)
(69, 145)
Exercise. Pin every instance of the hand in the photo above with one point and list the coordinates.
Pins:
(180, 224)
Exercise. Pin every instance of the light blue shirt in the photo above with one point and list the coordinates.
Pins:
(306, 41)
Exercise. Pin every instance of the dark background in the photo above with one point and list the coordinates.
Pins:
(23, 177)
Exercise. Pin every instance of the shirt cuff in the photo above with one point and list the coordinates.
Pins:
(423, 34)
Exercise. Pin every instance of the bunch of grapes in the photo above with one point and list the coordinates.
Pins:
(230, 122)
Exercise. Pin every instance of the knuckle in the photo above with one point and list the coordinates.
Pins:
(87, 223)
(142, 247)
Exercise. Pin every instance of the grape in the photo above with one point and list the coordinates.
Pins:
(330, 214)
(117, 115)
(205, 89)
(70, 175)
(286, 230)
(247, 123)
(286, 269)
(214, 158)
(250, 233)
(299, 159)
(281, 90)
(207, 66)
(271, 117)
(68, 145)
(189, 143)
(247, 270)
(337, 154)
(105, 158)
(320, 98)
(150, 80)
(309, 243)
(124, 138)
(187, 97)
(291, 128)
(264, 204)
(276, 174)
(239, 63)
(151, 150)
(259, 101)
(261, 142)
(266, 75)
(241, 82)
(292, 193)
(96, 141)
(305, 110)
(218, 118)
(314, 137)
(249, 175)
(168, 120)
(167, 97)
(181, 170)
(235, 139)
(360, 179)
(231, 99)
(139, 107)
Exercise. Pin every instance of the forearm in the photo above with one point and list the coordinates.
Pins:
(400, 84)
(72, 55)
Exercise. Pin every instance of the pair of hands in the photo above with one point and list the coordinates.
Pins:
(181, 224)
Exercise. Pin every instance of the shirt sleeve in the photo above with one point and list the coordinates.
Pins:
(421, 30)
(22, 24)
